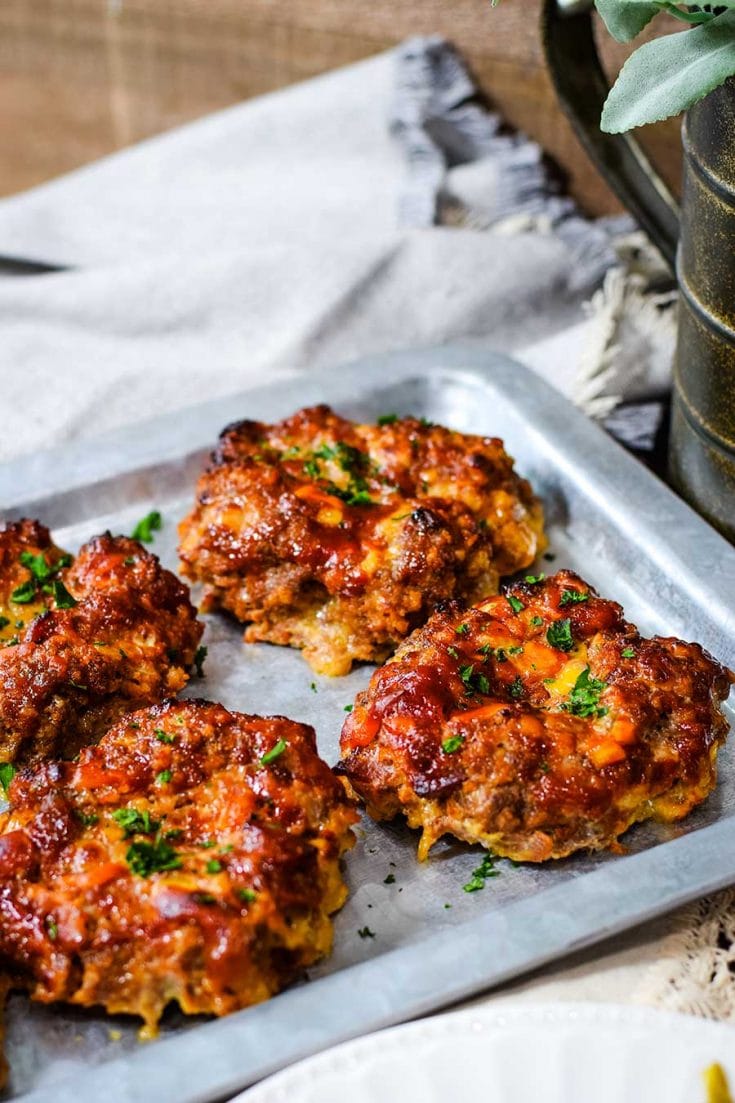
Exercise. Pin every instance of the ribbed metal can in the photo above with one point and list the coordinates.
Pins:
(702, 448)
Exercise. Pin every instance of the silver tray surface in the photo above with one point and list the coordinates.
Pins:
(608, 518)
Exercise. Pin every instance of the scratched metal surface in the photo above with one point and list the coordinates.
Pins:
(609, 518)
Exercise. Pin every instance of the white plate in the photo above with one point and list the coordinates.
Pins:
(522, 1053)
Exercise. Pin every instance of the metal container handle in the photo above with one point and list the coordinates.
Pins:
(581, 85)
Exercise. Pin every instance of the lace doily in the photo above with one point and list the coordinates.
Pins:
(695, 967)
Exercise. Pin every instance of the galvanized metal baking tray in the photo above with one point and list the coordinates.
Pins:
(433, 943)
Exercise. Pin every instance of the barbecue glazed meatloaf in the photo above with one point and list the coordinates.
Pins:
(83, 641)
(340, 538)
(537, 723)
(192, 856)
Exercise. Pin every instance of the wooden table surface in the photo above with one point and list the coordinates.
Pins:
(81, 78)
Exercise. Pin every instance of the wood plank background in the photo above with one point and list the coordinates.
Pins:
(81, 78)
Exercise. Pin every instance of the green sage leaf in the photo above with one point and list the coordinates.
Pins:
(668, 75)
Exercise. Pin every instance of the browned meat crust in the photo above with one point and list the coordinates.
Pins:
(83, 642)
(191, 856)
(537, 723)
(340, 538)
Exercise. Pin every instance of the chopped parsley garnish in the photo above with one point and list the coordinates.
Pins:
(534, 579)
(501, 655)
(164, 737)
(87, 819)
(52, 928)
(207, 844)
(516, 687)
(387, 419)
(163, 777)
(516, 650)
(205, 898)
(559, 635)
(199, 656)
(147, 858)
(274, 752)
(537, 621)
(7, 773)
(453, 652)
(514, 603)
(348, 708)
(128, 561)
(390, 879)
(485, 869)
(147, 525)
(4, 622)
(365, 932)
(449, 746)
(544, 767)
(62, 597)
(135, 822)
(214, 866)
(474, 681)
(584, 699)
(628, 653)
(312, 687)
(25, 593)
(353, 462)
(573, 597)
(247, 895)
(462, 629)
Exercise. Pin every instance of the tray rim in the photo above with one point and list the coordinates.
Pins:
(395, 985)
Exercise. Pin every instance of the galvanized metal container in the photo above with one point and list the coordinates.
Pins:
(702, 451)
(702, 440)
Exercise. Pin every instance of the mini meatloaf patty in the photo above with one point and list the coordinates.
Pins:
(84, 640)
(537, 723)
(192, 856)
(341, 538)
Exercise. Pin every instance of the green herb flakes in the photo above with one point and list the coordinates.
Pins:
(537, 621)
(25, 593)
(143, 531)
(7, 773)
(214, 866)
(515, 604)
(248, 896)
(485, 870)
(387, 419)
(390, 879)
(453, 652)
(559, 635)
(453, 744)
(147, 858)
(473, 681)
(135, 822)
(164, 737)
(163, 778)
(199, 656)
(62, 597)
(584, 699)
(628, 653)
(516, 688)
(274, 752)
(365, 932)
(573, 597)
(534, 579)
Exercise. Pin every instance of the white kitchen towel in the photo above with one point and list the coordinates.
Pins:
(267, 240)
